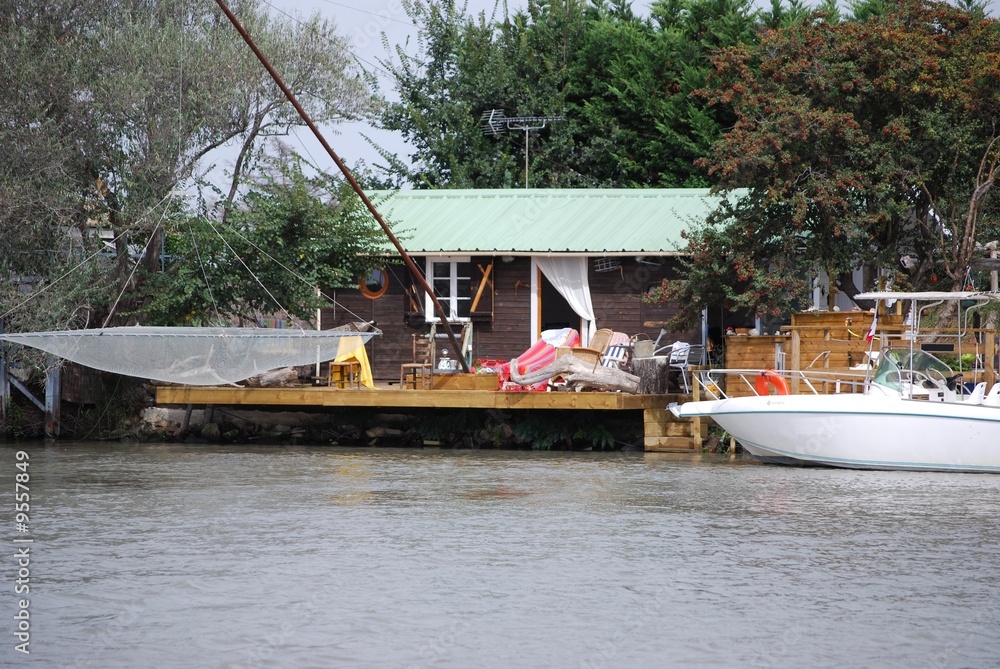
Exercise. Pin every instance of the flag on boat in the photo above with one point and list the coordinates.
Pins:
(871, 330)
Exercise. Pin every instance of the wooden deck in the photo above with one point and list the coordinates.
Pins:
(307, 396)
(662, 432)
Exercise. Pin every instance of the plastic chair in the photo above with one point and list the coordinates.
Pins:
(977, 395)
(992, 398)
(682, 356)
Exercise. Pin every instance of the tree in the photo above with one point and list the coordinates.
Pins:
(113, 107)
(622, 83)
(291, 235)
(642, 98)
(464, 66)
(858, 142)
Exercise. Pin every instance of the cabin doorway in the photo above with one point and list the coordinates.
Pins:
(553, 309)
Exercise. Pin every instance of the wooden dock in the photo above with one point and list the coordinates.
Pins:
(661, 431)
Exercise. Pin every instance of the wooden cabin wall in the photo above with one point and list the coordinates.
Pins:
(509, 334)
(617, 293)
(388, 313)
(505, 335)
(502, 336)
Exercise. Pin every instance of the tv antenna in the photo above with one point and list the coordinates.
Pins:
(494, 123)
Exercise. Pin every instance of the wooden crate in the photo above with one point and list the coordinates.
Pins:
(746, 352)
(831, 341)
(465, 382)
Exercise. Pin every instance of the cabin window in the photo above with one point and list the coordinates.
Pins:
(450, 278)
(375, 284)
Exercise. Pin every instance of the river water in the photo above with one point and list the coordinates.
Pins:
(200, 556)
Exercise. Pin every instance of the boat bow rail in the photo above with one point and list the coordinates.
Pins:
(913, 412)
(711, 381)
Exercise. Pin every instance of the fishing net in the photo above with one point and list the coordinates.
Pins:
(193, 356)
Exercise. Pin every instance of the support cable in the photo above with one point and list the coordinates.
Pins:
(346, 172)
(280, 264)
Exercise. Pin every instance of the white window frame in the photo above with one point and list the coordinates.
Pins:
(430, 314)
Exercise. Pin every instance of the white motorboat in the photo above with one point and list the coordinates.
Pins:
(914, 413)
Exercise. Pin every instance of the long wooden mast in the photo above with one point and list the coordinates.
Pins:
(414, 270)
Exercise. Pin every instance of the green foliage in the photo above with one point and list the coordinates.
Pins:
(21, 422)
(541, 434)
(721, 439)
(110, 109)
(624, 85)
(858, 142)
(577, 430)
(598, 436)
(452, 428)
(291, 234)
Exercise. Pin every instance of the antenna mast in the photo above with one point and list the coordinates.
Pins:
(494, 123)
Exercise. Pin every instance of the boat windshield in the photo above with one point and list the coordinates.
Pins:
(897, 364)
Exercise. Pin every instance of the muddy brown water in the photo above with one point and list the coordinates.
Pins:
(200, 556)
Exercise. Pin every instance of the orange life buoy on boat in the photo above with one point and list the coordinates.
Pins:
(768, 379)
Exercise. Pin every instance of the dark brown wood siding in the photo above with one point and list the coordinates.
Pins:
(617, 298)
(501, 330)
(501, 327)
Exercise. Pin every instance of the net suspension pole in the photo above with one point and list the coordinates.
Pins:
(414, 270)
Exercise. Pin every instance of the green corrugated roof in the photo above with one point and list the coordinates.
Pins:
(535, 221)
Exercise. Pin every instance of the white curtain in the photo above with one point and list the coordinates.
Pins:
(569, 276)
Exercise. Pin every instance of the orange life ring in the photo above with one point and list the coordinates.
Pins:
(768, 379)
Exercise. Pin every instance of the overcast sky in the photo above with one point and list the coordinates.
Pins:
(364, 21)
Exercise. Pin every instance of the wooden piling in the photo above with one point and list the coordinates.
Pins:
(53, 387)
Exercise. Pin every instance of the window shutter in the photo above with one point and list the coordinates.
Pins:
(482, 299)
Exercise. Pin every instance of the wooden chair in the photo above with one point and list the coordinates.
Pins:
(419, 374)
(344, 375)
(594, 351)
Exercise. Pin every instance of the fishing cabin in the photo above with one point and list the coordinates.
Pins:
(509, 264)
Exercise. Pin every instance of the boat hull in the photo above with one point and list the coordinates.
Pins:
(860, 431)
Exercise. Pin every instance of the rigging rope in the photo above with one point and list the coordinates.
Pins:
(250, 271)
(204, 275)
(280, 264)
(135, 267)
(41, 291)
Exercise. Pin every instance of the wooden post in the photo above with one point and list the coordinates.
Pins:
(53, 387)
(991, 341)
(4, 383)
(796, 363)
(831, 295)
(696, 421)
(4, 387)
(186, 421)
(991, 351)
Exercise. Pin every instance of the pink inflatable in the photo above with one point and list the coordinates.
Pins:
(541, 353)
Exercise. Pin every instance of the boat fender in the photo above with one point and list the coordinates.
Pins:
(768, 380)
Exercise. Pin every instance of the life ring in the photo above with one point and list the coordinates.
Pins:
(768, 379)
